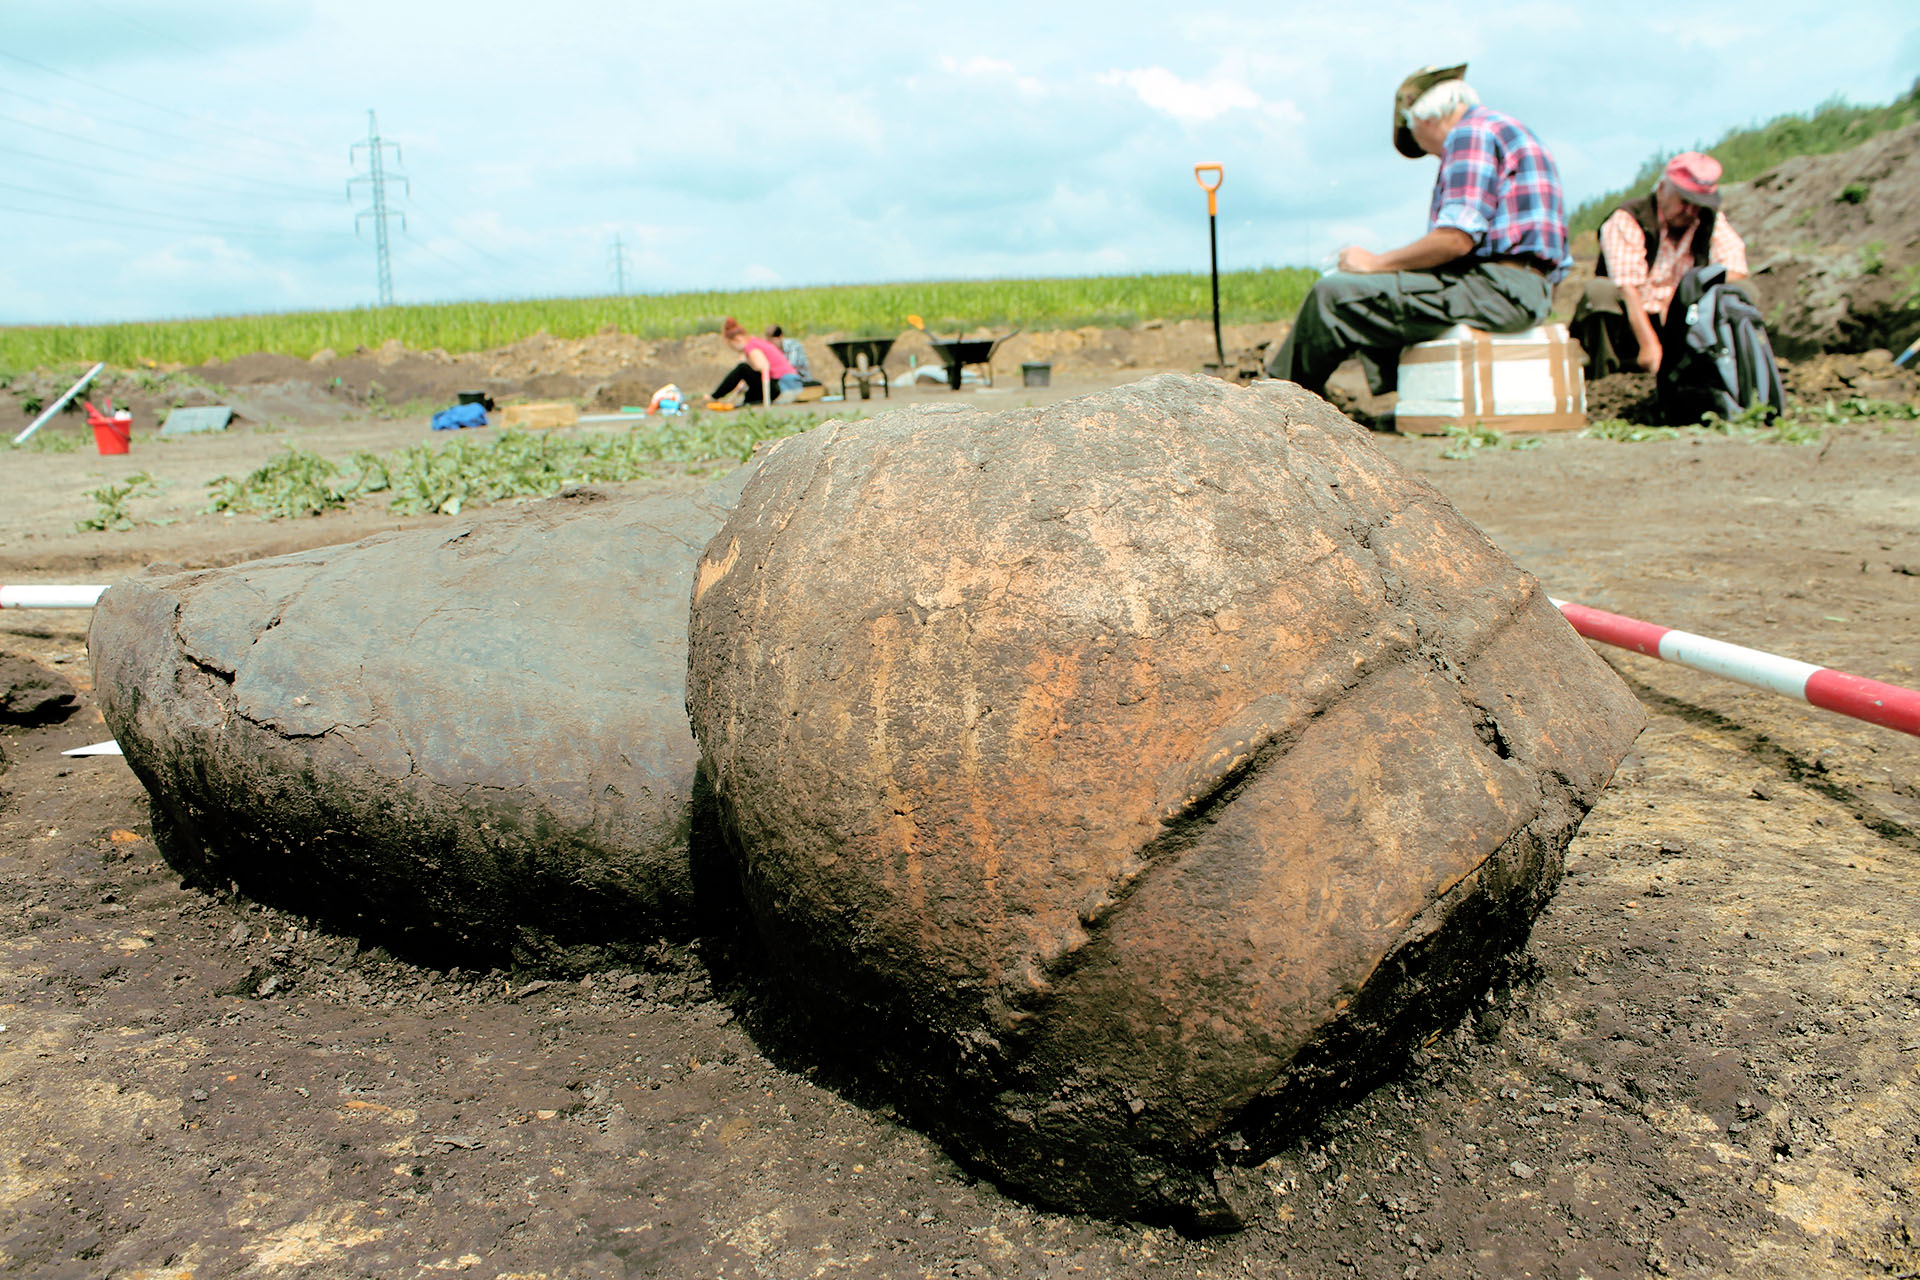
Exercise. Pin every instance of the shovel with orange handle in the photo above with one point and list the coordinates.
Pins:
(1213, 241)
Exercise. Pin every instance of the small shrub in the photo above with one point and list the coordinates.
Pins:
(1853, 193)
(1873, 259)
(295, 483)
(1910, 277)
(1468, 439)
(112, 501)
(1622, 431)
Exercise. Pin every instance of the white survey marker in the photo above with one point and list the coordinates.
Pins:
(36, 596)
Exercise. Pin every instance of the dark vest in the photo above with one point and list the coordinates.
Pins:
(1649, 219)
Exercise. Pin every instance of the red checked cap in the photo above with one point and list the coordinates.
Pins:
(1695, 178)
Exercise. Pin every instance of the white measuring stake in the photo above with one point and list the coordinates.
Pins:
(61, 403)
(50, 597)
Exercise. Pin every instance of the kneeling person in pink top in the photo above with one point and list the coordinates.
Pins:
(764, 370)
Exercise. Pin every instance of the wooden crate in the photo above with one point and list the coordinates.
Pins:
(539, 415)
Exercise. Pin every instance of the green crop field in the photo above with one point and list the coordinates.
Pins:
(878, 310)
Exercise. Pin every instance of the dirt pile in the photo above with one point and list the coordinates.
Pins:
(1871, 375)
(610, 369)
(1834, 244)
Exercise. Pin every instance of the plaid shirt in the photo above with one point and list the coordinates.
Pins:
(1499, 185)
(1625, 248)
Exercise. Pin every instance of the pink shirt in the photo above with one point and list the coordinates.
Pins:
(778, 366)
(1626, 248)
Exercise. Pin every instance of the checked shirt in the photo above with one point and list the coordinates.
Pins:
(1499, 185)
(1625, 248)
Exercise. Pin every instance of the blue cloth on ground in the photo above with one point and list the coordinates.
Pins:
(461, 415)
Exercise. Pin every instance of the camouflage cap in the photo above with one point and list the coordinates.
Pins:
(1409, 93)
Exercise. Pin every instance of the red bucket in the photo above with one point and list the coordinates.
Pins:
(111, 435)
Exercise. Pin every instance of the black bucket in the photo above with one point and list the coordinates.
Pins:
(1037, 375)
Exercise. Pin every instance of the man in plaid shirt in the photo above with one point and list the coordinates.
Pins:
(1496, 243)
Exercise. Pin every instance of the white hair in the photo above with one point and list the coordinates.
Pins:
(1441, 100)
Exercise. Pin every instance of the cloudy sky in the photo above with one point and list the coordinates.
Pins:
(186, 157)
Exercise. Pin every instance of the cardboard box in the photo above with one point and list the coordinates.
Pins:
(1509, 382)
(539, 415)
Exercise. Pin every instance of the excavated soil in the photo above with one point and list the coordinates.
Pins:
(1706, 1061)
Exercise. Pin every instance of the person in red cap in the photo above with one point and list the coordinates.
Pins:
(1647, 246)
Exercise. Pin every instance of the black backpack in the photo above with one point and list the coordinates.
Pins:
(1722, 362)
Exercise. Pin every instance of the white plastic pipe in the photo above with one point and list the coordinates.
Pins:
(61, 403)
(50, 597)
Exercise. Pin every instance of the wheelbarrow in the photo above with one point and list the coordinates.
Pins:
(960, 352)
(865, 359)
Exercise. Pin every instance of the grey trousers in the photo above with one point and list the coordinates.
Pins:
(1375, 316)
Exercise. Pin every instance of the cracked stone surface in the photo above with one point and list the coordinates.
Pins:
(1128, 778)
(470, 742)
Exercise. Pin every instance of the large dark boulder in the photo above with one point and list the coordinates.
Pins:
(470, 741)
(1126, 778)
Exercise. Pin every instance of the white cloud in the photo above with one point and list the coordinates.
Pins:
(1188, 101)
(992, 68)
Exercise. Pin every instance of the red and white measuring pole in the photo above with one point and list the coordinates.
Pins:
(45, 597)
(1863, 699)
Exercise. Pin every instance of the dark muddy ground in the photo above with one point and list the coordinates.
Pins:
(1707, 1061)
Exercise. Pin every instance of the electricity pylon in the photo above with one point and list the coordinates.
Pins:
(377, 177)
(617, 258)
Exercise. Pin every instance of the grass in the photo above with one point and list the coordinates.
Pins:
(465, 472)
(1469, 439)
(878, 309)
(1749, 152)
(1800, 424)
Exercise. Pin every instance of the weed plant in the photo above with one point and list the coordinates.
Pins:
(1624, 432)
(1470, 438)
(1800, 424)
(425, 479)
(111, 501)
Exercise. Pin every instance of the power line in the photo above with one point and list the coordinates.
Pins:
(169, 36)
(144, 155)
(65, 215)
(376, 177)
(193, 222)
(94, 88)
(430, 202)
(464, 270)
(89, 167)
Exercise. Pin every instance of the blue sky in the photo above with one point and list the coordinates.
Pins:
(181, 157)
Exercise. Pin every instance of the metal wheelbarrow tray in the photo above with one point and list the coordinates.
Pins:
(960, 352)
(865, 359)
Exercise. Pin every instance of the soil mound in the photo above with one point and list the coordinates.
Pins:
(1130, 777)
(470, 741)
(30, 694)
(1834, 244)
